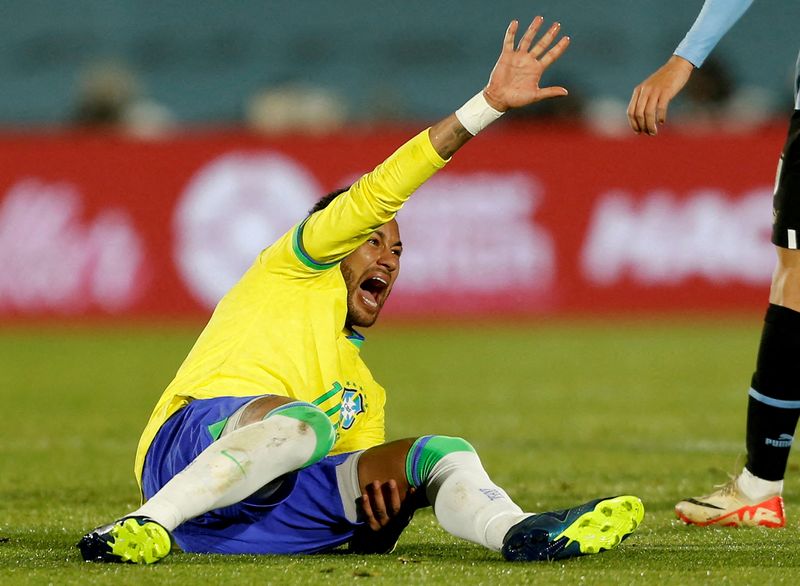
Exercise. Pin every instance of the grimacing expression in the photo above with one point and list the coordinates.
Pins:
(369, 273)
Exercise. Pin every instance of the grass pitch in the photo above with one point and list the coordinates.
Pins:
(559, 412)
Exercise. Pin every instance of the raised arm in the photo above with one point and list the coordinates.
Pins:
(651, 98)
(331, 234)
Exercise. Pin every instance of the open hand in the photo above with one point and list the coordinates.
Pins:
(514, 81)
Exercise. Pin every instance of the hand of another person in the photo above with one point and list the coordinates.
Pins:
(514, 81)
(651, 98)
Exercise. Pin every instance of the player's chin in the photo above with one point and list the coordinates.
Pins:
(365, 319)
(363, 314)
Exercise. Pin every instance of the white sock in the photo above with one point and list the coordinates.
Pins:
(755, 488)
(468, 504)
(231, 469)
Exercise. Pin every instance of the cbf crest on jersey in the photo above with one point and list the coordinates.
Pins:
(352, 405)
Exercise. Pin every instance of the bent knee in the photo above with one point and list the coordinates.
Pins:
(259, 408)
(311, 419)
(428, 451)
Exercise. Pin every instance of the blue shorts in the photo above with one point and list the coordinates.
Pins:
(305, 515)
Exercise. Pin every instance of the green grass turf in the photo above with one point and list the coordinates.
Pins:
(559, 412)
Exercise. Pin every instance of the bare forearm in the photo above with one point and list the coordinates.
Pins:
(448, 135)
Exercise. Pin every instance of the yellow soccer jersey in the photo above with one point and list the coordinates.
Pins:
(281, 329)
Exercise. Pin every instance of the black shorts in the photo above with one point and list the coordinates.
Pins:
(786, 202)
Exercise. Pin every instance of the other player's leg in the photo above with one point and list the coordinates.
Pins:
(469, 505)
(754, 496)
(271, 437)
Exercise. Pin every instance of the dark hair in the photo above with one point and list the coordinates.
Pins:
(325, 200)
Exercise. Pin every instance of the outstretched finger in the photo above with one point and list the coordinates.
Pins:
(553, 54)
(547, 38)
(511, 32)
(555, 91)
(530, 33)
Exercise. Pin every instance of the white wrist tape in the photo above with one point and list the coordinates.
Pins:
(477, 114)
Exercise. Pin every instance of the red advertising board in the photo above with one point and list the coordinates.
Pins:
(523, 221)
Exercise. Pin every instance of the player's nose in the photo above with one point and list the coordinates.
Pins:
(389, 260)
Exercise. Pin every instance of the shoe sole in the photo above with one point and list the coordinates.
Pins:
(604, 527)
(136, 543)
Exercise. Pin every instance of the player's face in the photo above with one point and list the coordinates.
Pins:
(369, 273)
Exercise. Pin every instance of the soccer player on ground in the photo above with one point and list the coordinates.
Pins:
(270, 439)
(754, 496)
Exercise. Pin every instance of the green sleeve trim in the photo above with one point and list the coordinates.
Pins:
(302, 255)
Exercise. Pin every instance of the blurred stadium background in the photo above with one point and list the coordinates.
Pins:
(150, 149)
(411, 60)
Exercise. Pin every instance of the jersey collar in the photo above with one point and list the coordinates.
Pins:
(356, 338)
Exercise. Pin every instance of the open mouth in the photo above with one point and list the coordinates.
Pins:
(372, 290)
